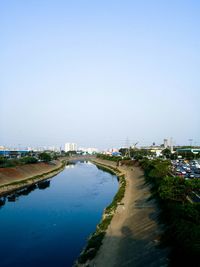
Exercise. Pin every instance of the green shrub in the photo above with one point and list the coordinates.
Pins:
(29, 160)
(181, 217)
(46, 157)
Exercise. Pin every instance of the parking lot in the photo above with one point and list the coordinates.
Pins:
(185, 168)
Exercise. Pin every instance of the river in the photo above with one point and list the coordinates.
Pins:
(48, 224)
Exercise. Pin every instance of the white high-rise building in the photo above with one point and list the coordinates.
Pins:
(166, 143)
(70, 147)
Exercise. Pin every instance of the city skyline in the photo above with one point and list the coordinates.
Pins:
(71, 146)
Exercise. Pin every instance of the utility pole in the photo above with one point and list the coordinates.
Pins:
(190, 140)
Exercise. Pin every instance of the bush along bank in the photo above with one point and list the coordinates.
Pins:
(179, 213)
(95, 240)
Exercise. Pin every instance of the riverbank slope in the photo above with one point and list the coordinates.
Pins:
(17, 177)
(133, 235)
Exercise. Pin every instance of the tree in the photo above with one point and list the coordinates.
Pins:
(159, 169)
(166, 152)
(45, 157)
(29, 160)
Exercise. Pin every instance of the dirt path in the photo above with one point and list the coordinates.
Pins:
(133, 235)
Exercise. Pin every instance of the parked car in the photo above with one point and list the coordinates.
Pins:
(190, 175)
(197, 170)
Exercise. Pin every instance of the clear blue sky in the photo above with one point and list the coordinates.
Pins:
(97, 72)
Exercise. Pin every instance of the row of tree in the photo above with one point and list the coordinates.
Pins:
(176, 154)
(45, 157)
(180, 215)
(108, 157)
(141, 153)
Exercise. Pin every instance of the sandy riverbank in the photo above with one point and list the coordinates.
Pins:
(21, 176)
(132, 238)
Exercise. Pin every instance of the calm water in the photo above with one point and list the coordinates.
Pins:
(48, 224)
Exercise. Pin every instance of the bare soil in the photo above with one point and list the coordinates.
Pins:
(133, 236)
(19, 176)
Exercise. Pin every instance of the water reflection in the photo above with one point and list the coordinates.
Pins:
(14, 196)
(69, 166)
(11, 198)
(43, 185)
(2, 201)
(75, 161)
(88, 162)
(105, 169)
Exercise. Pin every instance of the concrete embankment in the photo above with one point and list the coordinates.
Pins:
(133, 235)
(21, 176)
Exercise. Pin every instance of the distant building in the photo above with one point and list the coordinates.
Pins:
(157, 151)
(13, 153)
(53, 148)
(166, 143)
(89, 150)
(70, 147)
(185, 150)
(116, 154)
(92, 150)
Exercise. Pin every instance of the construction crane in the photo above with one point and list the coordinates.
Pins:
(128, 154)
(134, 146)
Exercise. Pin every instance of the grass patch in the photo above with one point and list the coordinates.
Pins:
(118, 197)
